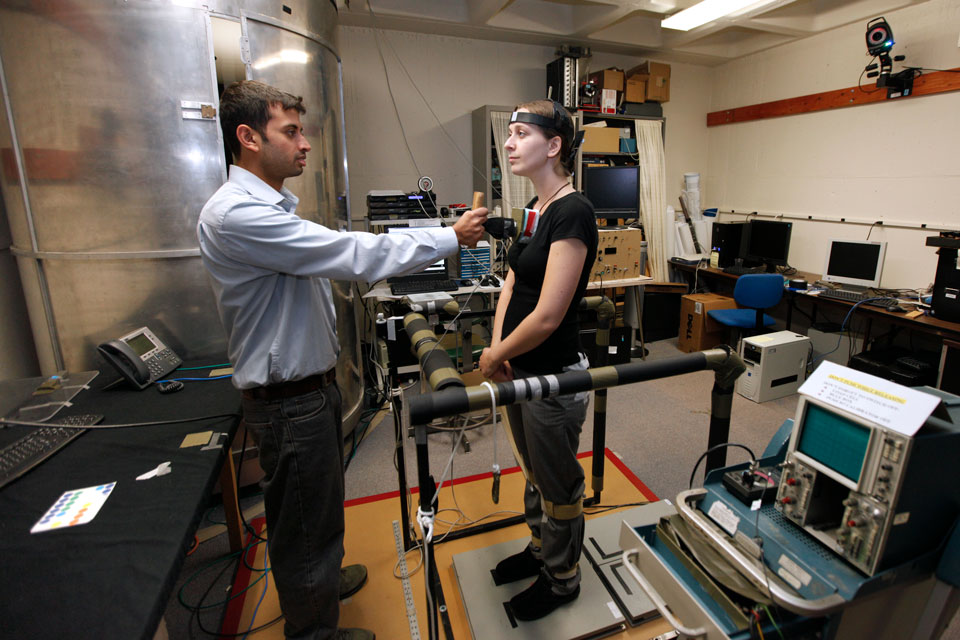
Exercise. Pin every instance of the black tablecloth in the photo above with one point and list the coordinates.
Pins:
(111, 577)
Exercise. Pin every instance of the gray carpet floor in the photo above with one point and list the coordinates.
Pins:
(658, 428)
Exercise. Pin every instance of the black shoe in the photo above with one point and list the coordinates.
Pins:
(539, 600)
(352, 577)
(516, 567)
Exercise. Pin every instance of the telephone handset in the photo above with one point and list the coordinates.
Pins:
(140, 357)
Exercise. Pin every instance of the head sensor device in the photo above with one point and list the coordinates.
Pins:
(560, 122)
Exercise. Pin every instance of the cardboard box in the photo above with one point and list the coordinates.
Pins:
(636, 90)
(601, 140)
(656, 75)
(608, 79)
(697, 330)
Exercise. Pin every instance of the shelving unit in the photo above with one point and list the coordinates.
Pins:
(613, 120)
(485, 155)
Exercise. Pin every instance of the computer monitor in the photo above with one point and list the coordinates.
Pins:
(613, 191)
(768, 242)
(854, 265)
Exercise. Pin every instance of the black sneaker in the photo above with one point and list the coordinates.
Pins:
(516, 567)
(539, 600)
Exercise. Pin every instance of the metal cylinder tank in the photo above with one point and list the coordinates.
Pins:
(110, 145)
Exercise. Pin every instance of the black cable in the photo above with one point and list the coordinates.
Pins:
(227, 635)
(25, 423)
(246, 525)
(196, 609)
(753, 458)
(860, 81)
(603, 508)
(929, 69)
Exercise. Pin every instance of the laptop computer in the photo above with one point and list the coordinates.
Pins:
(433, 278)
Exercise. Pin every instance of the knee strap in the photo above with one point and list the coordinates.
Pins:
(563, 511)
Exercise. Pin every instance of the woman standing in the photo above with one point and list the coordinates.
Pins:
(536, 332)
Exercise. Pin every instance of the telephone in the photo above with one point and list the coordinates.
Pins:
(140, 357)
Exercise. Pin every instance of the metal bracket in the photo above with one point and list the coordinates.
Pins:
(245, 50)
(197, 110)
(216, 441)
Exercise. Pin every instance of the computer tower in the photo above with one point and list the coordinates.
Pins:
(946, 285)
(727, 243)
(776, 365)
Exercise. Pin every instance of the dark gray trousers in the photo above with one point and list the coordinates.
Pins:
(301, 453)
(547, 436)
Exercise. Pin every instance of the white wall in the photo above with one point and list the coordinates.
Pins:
(457, 75)
(894, 161)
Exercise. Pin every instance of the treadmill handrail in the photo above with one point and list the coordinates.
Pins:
(748, 567)
(658, 602)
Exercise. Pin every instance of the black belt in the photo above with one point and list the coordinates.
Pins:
(282, 390)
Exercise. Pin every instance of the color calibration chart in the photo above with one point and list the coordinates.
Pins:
(75, 507)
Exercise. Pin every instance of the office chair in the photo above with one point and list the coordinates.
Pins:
(756, 292)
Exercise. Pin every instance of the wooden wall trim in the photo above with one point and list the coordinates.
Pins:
(924, 85)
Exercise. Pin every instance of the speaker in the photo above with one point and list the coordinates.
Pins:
(727, 243)
(879, 37)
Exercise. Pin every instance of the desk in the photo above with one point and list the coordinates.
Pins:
(111, 577)
(925, 324)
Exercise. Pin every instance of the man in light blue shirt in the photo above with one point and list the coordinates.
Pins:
(270, 271)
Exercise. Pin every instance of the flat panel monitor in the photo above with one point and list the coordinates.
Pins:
(613, 191)
(768, 242)
(854, 265)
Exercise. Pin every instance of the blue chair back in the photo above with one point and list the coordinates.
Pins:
(759, 290)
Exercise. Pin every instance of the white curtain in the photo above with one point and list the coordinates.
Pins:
(653, 201)
(517, 191)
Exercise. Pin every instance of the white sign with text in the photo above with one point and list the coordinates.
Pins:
(886, 403)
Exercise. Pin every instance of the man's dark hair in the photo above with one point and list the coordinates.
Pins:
(248, 102)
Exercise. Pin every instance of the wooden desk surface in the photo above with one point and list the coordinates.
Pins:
(927, 324)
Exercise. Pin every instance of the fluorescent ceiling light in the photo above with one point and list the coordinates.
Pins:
(708, 11)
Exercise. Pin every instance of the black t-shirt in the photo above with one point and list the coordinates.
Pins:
(571, 216)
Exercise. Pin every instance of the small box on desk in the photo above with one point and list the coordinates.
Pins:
(697, 330)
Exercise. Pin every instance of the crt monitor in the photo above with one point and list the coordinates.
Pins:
(768, 242)
(613, 191)
(854, 265)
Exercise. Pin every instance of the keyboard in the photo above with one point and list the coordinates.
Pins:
(21, 456)
(422, 286)
(853, 296)
(740, 270)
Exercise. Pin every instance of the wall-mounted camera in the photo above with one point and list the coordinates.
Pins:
(880, 42)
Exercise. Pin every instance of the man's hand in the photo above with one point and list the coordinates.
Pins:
(469, 227)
